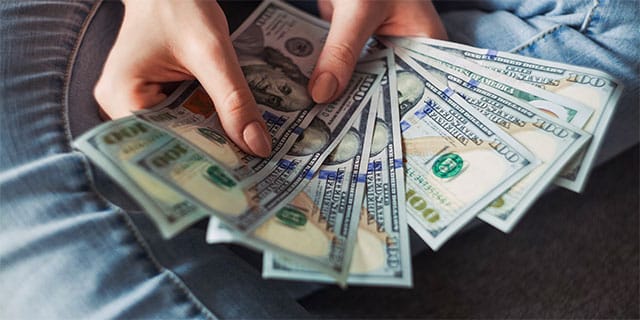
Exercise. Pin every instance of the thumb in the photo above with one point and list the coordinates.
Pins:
(348, 34)
(218, 70)
(132, 94)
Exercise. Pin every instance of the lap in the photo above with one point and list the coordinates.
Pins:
(73, 244)
(68, 251)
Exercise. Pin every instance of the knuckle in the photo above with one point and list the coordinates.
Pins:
(206, 45)
(101, 92)
(103, 95)
(341, 55)
(238, 104)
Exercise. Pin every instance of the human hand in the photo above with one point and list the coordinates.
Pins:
(352, 23)
(167, 41)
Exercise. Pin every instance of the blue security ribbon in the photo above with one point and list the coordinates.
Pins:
(286, 164)
(473, 83)
(375, 166)
(309, 175)
(325, 174)
(404, 125)
(448, 92)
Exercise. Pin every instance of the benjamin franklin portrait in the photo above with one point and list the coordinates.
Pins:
(347, 149)
(314, 139)
(381, 137)
(410, 90)
(274, 79)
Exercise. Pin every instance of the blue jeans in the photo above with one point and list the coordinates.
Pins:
(72, 244)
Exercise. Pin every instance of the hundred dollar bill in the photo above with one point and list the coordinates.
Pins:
(218, 232)
(550, 139)
(317, 230)
(456, 160)
(113, 145)
(277, 48)
(198, 175)
(284, 38)
(593, 88)
(561, 107)
(382, 255)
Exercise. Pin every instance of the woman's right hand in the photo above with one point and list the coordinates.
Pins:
(176, 40)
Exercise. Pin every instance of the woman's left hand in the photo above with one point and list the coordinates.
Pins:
(352, 23)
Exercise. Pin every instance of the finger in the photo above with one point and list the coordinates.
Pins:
(130, 79)
(414, 18)
(325, 8)
(118, 97)
(216, 67)
(351, 26)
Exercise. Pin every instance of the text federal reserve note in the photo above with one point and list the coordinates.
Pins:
(456, 160)
(382, 255)
(569, 110)
(550, 139)
(593, 88)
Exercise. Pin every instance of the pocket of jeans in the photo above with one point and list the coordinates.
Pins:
(111, 191)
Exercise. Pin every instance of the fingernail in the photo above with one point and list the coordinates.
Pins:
(257, 139)
(324, 88)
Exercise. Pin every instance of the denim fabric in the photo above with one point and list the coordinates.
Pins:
(72, 244)
(66, 251)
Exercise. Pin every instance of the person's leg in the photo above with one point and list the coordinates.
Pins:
(65, 250)
(592, 33)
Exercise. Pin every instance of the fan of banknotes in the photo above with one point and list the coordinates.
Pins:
(428, 134)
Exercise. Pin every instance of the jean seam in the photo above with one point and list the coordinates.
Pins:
(87, 173)
(589, 17)
(143, 244)
(69, 70)
(536, 38)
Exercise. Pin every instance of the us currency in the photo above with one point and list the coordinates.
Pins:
(317, 230)
(593, 88)
(277, 47)
(267, 184)
(569, 110)
(113, 145)
(382, 255)
(550, 139)
(456, 160)
(197, 175)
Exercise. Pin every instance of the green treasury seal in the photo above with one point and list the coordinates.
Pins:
(216, 175)
(447, 166)
(291, 217)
